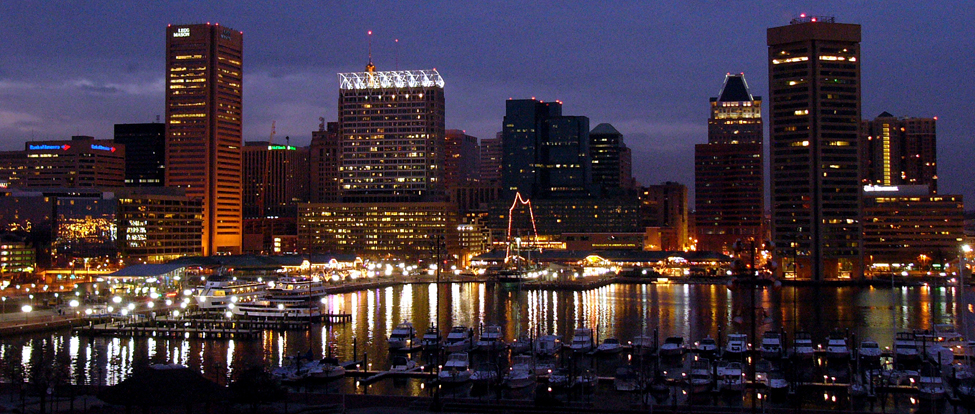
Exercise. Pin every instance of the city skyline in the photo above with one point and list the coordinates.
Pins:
(619, 67)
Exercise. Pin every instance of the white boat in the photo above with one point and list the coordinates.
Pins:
(736, 347)
(802, 346)
(490, 339)
(643, 345)
(706, 347)
(485, 374)
(559, 378)
(701, 376)
(431, 339)
(581, 340)
(458, 340)
(930, 385)
(288, 298)
(672, 346)
(771, 345)
(905, 348)
(627, 379)
(326, 369)
(403, 337)
(545, 366)
(521, 345)
(587, 380)
(218, 293)
(547, 345)
(521, 374)
(730, 377)
(869, 352)
(777, 383)
(609, 346)
(400, 363)
(837, 347)
(456, 370)
(762, 369)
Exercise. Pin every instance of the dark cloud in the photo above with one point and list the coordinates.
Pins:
(646, 67)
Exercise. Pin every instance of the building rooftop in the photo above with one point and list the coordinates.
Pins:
(390, 79)
(604, 129)
(735, 89)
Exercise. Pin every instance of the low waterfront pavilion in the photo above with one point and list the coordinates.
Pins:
(667, 263)
(143, 276)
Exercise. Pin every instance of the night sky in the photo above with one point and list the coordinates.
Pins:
(78, 67)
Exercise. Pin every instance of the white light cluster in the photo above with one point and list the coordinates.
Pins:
(390, 79)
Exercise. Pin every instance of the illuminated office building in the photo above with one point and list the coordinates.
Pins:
(899, 151)
(77, 163)
(204, 77)
(611, 159)
(906, 225)
(274, 179)
(391, 134)
(814, 122)
(729, 171)
(461, 160)
(490, 160)
(323, 159)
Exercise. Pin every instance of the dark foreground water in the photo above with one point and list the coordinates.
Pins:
(623, 311)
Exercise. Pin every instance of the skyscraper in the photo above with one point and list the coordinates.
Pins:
(544, 154)
(391, 133)
(611, 159)
(274, 180)
(490, 162)
(204, 79)
(728, 170)
(900, 151)
(324, 158)
(814, 90)
(461, 162)
(145, 153)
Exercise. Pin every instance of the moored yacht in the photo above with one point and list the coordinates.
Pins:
(730, 377)
(836, 346)
(521, 374)
(458, 339)
(772, 345)
(905, 348)
(609, 346)
(403, 337)
(707, 347)
(547, 345)
(218, 293)
(672, 347)
(457, 369)
(581, 340)
(490, 339)
(802, 346)
(431, 339)
(701, 376)
(737, 346)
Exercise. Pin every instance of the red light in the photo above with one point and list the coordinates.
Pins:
(814, 19)
(65, 147)
(113, 149)
(370, 33)
(802, 15)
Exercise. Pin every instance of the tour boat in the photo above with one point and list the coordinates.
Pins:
(458, 339)
(456, 370)
(218, 293)
(290, 298)
(403, 337)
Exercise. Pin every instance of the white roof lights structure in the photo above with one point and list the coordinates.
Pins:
(390, 79)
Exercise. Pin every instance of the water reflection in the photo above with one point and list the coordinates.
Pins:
(622, 311)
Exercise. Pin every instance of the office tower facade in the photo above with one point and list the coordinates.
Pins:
(663, 208)
(490, 160)
(80, 162)
(611, 159)
(729, 170)
(274, 179)
(814, 94)
(204, 77)
(545, 154)
(145, 153)
(899, 151)
(391, 132)
(905, 226)
(323, 157)
(461, 160)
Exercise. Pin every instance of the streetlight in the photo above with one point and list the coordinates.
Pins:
(962, 289)
(26, 310)
(4, 304)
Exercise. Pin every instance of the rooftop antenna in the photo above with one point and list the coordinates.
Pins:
(157, 118)
(396, 53)
(370, 67)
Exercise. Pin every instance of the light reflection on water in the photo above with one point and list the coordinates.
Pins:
(621, 311)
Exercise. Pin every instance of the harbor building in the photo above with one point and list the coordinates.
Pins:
(899, 151)
(81, 162)
(204, 87)
(814, 123)
(145, 153)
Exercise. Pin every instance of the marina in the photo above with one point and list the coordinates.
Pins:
(638, 317)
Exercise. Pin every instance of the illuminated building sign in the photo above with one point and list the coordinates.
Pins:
(182, 32)
(43, 147)
(281, 147)
(102, 148)
(883, 188)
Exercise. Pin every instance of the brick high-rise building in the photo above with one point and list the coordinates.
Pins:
(814, 122)
(490, 149)
(82, 161)
(204, 77)
(461, 160)
(323, 158)
(899, 151)
(274, 179)
(728, 170)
